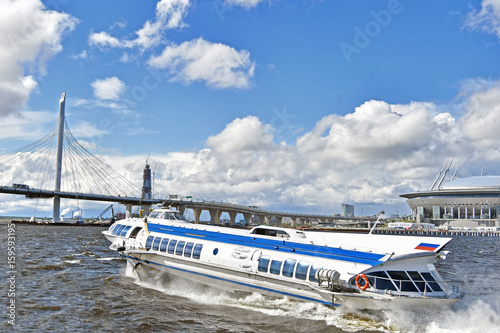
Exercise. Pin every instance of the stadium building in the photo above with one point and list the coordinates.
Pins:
(472, 202)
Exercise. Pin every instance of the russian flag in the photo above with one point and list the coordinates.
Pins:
(427, 246)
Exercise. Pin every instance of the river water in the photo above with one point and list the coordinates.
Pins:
(65, 279)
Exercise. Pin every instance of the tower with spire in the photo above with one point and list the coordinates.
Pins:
(146, 183)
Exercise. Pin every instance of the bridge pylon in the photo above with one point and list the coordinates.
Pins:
(56, 210)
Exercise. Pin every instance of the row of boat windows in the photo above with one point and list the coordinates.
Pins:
(119, 229)
(303, 270)
(172, 246)
(412, 281)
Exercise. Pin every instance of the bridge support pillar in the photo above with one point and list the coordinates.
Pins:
(197, 214)
(56, 210)
(128, 211)
(232, 217)
(248, 218)
(261, 219)
(267, 219)
(279, 220)
(145, 210)
(214, 215)
(181, 208)
(296, 221)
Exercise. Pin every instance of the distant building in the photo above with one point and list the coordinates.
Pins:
(347, 210)
(465, 202)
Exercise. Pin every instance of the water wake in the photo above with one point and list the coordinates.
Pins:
(474, 316)
(350, 321)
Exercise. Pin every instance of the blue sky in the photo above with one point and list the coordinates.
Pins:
(293, 105)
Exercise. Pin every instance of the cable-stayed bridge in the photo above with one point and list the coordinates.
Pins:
(57, 166)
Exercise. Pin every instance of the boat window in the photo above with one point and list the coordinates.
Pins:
(119, 230)
(301, 270)
(419, 281)
(197, 251)
(402, 281)
(172, 216)
(112, 229)
(432, 281)
(163, 245)
(134, 232)
(288, 267)
(312, 272)
(148, 242)
(125, 230)
(153, 215)
(171, 246)
(271, 232)
(180, 248)
(178, 216)
(275, 267)
(380, 280)
(156, 243)
(188, 249)
(264, 263)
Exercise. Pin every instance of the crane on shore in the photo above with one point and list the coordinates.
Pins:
(99, 217)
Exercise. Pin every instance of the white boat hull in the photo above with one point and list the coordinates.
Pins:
(327, 268)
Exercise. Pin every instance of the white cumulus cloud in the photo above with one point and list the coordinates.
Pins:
(104, 39)
(242, 134)
(216, 64)
(487, 18)
(367, 157)
(243, 3)
(110, 88)
(169, 15)
(29, 36)
(482, 116)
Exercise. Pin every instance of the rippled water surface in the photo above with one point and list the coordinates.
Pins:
(66, 280)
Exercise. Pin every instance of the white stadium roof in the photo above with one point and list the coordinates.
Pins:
(473, 182)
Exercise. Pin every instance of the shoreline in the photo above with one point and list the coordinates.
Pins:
(60, 224)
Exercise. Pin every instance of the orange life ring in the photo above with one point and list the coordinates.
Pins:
(367, 282)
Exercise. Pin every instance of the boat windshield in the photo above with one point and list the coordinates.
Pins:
(167, 215)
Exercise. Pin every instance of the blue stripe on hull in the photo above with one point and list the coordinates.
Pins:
(368, 258)
(235, 282)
